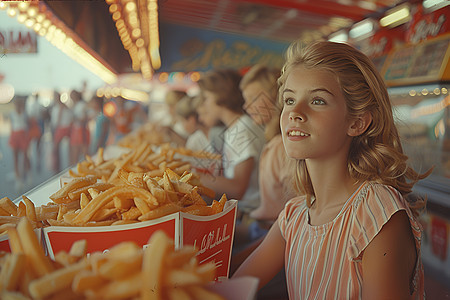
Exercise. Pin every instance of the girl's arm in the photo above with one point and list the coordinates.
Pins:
(267, 260)
(235, 187)
(388, 261)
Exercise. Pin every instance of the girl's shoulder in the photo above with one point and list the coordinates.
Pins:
(377, 193)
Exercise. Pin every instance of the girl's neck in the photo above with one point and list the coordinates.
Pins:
(331, 182)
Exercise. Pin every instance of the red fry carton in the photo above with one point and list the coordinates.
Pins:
(212, 235)
(101, 238)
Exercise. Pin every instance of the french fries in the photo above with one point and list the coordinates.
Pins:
(126, 271)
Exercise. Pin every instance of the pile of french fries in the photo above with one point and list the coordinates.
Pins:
(135, 197)
(125, 272)
(140, 159)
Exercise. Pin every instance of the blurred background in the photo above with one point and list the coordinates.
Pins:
(130, 53)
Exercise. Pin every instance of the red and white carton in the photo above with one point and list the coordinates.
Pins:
(101, 238)
(212, 235)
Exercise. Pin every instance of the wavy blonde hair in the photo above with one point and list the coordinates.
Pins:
(377, 154)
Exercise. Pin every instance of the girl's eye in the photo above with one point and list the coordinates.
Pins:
(318, 101)
(288, 101)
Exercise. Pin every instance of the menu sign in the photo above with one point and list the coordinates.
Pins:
(425, 62)
(424, 26)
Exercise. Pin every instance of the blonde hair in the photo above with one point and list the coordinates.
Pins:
(377, 154)
(267, 77)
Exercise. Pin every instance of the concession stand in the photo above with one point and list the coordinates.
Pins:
(140, 49)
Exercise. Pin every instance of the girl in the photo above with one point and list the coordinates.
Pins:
(353, 234)
(243, 139)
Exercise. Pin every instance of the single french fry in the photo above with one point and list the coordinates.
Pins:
(153, 265)
(206, 271)
(84, 200)
(160, 211)
(14, 241)
(87, 280)
(11, 271)
(120, 164)
(9, 206)
(30, 245)
(78, 248)
(123, 203)
(56, 281)
(30, 209)
(21, 210)
(142, 205)
(104, 214)
(99, 158)
(132, 214)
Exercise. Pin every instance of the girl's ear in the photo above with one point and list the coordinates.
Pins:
(360, 124)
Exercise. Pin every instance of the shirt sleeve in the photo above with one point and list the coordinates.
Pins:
(374, 209)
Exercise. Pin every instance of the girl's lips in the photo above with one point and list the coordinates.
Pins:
(296, 133)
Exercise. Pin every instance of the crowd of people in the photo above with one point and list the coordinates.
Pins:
(310, 152)
(81, 123)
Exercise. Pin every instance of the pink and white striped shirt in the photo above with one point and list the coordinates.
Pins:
(325, 261)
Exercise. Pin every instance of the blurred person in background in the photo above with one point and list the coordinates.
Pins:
(79, 133)
(19, 140)
(171, 125)
(35, 112)
(122, 119)
(61, 118)
(199, 134)
(243, 139)
(102, 123)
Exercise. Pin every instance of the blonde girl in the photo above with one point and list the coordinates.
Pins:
(353, 234)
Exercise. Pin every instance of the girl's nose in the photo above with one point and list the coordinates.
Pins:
(294, 116)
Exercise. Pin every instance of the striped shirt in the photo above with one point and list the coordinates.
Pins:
(325, 261)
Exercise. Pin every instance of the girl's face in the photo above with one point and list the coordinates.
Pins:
(258, 103)
(314, 121)
(209, 114)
